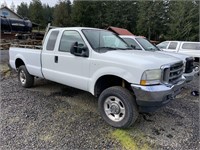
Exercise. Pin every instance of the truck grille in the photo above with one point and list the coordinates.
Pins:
(189, 65)
(172, 73)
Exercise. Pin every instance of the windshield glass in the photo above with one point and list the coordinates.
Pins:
(102, 40)
(147, 45)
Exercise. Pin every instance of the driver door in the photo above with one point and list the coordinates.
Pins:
(70, 69)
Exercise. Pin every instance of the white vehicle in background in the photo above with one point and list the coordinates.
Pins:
(141, 43)
(184, 47)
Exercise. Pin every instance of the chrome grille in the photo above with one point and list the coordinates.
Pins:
(172, 73)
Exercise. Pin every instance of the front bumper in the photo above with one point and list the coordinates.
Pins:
(189, 76)
(150, 98)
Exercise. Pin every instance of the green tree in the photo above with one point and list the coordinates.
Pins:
(12, 6)
(62, 13)
(36, 12)
(184, 20)
(48, 14)
(152, 18)
(23, 10)
(85, 13)
(121, 14)
(102, 14)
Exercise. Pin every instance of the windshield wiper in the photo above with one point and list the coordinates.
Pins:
(128, 48)
(110, 48)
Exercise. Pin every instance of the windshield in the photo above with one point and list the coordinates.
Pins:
(147, 45)
(102, 40)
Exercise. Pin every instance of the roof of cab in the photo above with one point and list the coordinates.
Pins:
(75, 28)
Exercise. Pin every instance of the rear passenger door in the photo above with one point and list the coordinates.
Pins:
(48, 56)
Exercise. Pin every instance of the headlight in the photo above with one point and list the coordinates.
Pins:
(150, 77)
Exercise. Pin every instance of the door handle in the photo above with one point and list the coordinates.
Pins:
(56, 59)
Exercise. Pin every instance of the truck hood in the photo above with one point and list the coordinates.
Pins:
(144, 59)
(178, 55)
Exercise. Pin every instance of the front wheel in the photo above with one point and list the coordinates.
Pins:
(117, 107)
(25, 79)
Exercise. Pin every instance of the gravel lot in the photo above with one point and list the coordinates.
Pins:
(54, 116)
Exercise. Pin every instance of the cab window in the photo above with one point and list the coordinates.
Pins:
(192, 46)
(173, 45)
(52, 40)
(68, 38)
(132, 43)
(163, 45)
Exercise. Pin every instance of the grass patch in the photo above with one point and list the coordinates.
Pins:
(127, 142)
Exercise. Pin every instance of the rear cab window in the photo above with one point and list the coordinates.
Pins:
(52, 40)
(173, 45)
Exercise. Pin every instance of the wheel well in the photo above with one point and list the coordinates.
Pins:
(107, 81)
(19, 63)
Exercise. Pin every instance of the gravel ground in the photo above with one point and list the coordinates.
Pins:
(54, 116)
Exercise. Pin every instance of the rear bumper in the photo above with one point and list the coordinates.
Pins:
(150, 98)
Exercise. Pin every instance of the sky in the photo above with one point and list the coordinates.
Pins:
(18, 2)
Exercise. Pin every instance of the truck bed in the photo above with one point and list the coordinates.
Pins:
(30, 57)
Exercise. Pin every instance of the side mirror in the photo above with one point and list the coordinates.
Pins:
(79, 50)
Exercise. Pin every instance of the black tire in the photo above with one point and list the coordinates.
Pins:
(127, 100)
(24, 74)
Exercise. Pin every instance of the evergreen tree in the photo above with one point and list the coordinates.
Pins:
(62, 14)
(36, 12)
(102, 14)
(48, 14)
(152, 18)
(23, 10)
(85, 13)
(12, 6)
(184, 20)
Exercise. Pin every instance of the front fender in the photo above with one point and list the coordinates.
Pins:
(119, 72)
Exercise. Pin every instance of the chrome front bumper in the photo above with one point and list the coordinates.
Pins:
(149, 98)
(189, 76)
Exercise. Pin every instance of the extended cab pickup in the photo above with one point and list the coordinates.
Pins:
(141, 43)
(126, 81)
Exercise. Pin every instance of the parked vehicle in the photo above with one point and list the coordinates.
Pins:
(141, 43)
(185, 47)
(15, 25)
(126, 82)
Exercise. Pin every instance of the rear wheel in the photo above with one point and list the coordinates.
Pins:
(25, 79)
(117, 107)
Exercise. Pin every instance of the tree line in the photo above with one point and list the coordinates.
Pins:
(156, 20)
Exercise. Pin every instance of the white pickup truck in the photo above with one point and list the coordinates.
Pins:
(141, 43)
(183, 47)
(125, 81)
